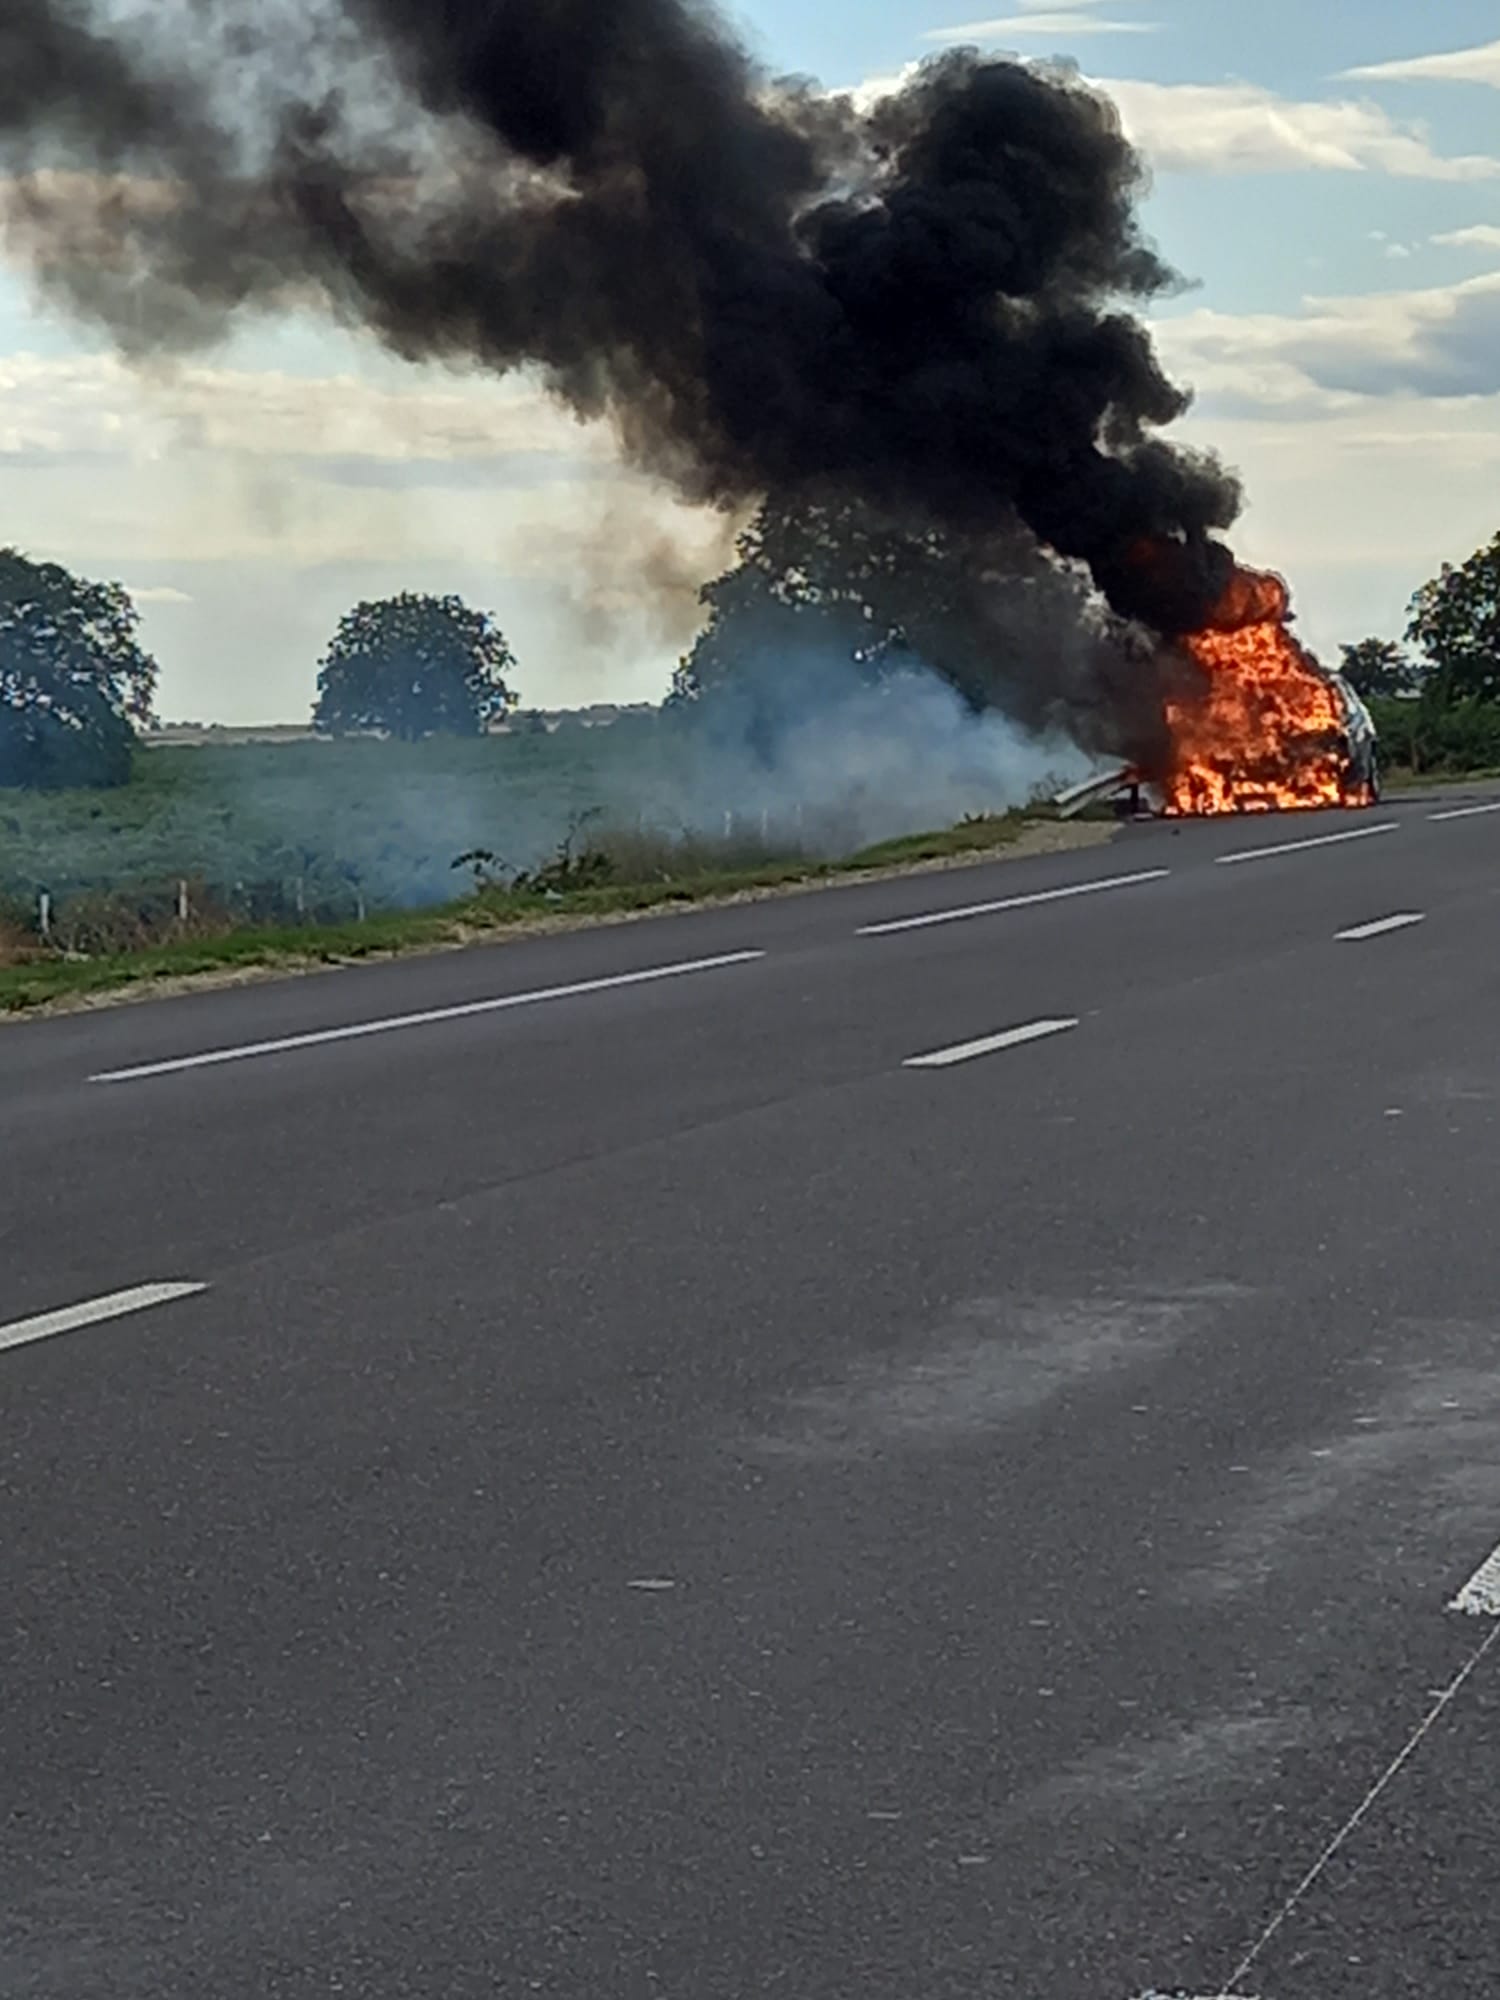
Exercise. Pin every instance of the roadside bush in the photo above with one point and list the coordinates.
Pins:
(102, 923)
(18, 939)
(630, 856)
(1426, 736)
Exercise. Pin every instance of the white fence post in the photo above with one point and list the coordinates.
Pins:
(182, 903)
(44, 914)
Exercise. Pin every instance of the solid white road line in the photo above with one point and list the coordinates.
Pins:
(1466, 812)
(1301, 846)
(1480, 1596)
(1379, 929)
(356, 1029)
(1011, 903)
(966, 1051)
(1366, 1806)
(114, 1305)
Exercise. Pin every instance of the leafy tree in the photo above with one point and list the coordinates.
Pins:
(834, 590)
(811, 579)
(1455, 620)
(73, 677)
(1379, 668)
(414, 666)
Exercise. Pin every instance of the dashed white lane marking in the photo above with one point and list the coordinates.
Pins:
(1012, 903)
(1480, 1596)
(244, 1051)
(1009, 1038)
(1446, 1697)
(1301, 846)
(1466, 812)
(1380, 928)
(113, 1305)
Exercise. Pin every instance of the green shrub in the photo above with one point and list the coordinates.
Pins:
(1427, 736)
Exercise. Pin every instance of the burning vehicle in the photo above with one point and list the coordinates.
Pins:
(1252, 723)
(1258, 725)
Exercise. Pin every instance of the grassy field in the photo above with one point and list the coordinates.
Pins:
(267, 835)
(37, 976)
(314, 828)
(335, 829)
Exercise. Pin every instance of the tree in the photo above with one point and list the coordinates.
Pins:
(414, 666)
(826, 593)
(1455, 620)
(74, 679)
(1378, 668)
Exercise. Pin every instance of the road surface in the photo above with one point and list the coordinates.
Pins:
(909, 1443)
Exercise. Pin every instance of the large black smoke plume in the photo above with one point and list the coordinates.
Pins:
(913, 308)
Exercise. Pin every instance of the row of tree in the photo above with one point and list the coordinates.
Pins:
(75, 680)
(1452, 649)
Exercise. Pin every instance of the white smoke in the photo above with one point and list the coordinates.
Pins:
(867, 761)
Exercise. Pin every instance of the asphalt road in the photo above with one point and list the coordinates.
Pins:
(659, 1498)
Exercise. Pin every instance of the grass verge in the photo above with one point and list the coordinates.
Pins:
(1399, 779)
(41, 979)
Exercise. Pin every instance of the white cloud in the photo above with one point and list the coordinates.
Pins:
(1361, 504)
(1480, 236)
(224, 468)
(873, 88)
(1360, 481)
(96, 404)
(1070, 19)
(1477, 65)
(1441, 345)
(1241, 128)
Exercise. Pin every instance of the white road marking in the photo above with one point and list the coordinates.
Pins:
(1466, 812)
(113, 1305)
(1301, 846)
(1379, 929)
(1012, 903)
(1480, 1596)
(244, 1051)
(652, 1583)
(987, 1045)
(1445, 1699)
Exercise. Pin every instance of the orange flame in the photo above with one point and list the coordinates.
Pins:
(1264, 732)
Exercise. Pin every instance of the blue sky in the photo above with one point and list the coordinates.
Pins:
(1326, 174)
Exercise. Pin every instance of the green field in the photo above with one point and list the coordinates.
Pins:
(321, 829)
(330, 832)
